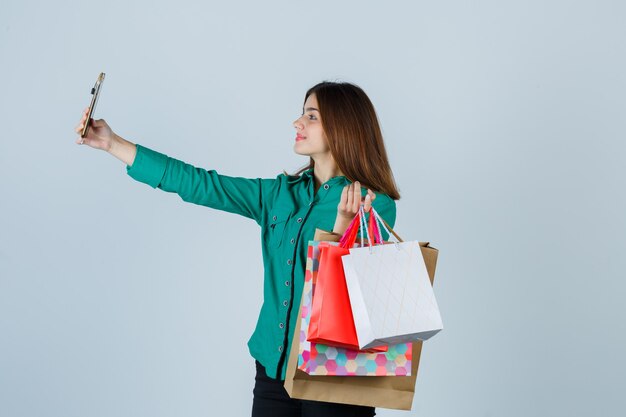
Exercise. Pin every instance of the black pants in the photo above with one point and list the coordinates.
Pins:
(271, 400)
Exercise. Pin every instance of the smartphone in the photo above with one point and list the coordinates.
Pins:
(95, 92)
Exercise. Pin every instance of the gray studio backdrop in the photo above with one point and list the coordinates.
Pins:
(504, 123)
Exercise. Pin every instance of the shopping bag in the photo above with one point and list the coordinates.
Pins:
(321, 359)
(331, 320)
(391, 296)
(394, 392)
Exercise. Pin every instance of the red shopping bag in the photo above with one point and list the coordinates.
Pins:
(331, 320)
(331, 315)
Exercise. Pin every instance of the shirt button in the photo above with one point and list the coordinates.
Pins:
(292, 241)
(274, 218)
(280, 348)
(299, 220)
(326, 186)
(285, 303)
(287, 283)
(281, 325)
(288, 261)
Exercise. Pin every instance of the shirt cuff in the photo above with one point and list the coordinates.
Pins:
(148, 166)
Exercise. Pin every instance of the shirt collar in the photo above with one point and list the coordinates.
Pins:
(308, 175)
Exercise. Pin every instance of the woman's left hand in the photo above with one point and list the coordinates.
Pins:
(349, 205)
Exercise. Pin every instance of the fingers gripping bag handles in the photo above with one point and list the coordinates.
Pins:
(331, 320)
(390, 292)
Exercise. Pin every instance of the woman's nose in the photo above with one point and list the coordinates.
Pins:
(297, 124)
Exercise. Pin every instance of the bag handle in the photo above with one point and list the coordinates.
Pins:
(385, 226)
(357, 224)
(349, 236)
(371, 231)
(364, 228)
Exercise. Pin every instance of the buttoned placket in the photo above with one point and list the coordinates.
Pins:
(300, 218)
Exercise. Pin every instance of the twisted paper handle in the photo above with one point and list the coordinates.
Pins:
(385, 226)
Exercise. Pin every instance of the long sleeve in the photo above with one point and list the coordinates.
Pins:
(244, 196)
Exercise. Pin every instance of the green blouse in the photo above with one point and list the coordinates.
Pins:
(288, 210)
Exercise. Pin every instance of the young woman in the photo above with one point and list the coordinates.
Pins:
(348, 166)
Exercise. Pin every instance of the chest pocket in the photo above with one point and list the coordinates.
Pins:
(276, 227)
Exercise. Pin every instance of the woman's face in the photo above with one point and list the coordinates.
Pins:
(310, 137)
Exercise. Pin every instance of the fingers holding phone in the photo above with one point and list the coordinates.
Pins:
(95, 133)
(99, 135)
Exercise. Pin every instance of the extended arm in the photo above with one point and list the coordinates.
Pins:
(195, 185)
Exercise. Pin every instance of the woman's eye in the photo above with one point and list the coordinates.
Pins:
(311, 117)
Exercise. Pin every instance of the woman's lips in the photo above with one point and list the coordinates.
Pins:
(300, 137)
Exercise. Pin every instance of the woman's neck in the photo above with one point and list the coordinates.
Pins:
(325, 169)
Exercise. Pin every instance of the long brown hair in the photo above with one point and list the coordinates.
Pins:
(354, 136)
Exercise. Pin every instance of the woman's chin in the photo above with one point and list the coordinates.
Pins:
(298, 149)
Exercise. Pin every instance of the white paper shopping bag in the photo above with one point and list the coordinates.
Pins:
(390, 293)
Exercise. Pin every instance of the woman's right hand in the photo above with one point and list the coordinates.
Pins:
(99, 135)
